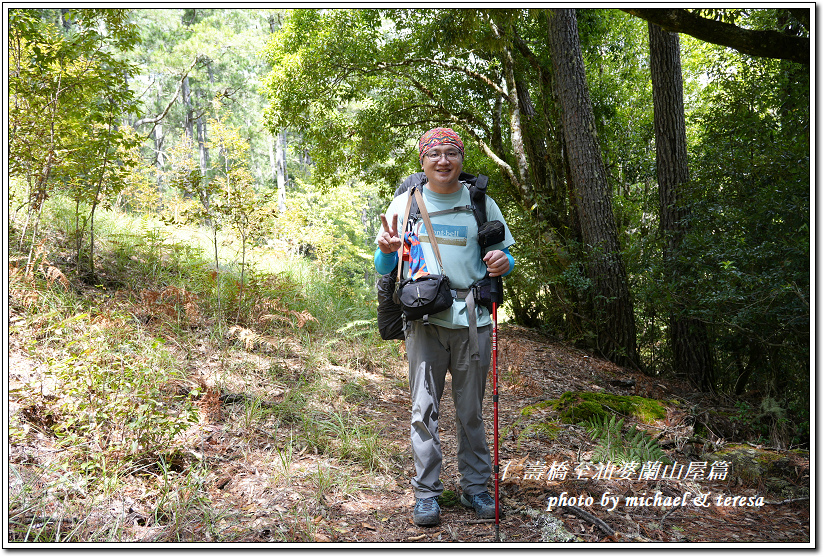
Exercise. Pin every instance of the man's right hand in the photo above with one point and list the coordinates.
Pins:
(388, 239)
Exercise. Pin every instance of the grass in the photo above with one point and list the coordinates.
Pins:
(117, 438)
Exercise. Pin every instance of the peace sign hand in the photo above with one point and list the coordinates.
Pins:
(388, 239)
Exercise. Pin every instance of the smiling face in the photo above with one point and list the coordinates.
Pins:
(443, 165)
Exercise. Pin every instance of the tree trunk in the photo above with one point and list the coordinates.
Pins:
(273, 166)
(692, 357)
(159, 139)
(202, 129)
(517, 133)
(280, 163)
(201, 145)
(524, 185)
(615, 323)
(188, 124)
(159, 157)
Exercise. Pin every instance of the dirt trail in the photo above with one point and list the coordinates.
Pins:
(531, 370)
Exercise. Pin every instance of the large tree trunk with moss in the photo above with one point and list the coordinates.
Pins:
(688, 336)
(613, 312)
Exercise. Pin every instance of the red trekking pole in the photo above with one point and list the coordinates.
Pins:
(496, 293)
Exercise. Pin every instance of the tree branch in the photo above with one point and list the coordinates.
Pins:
(527, 53)
(464, 70)
(769, 44)
(469, 127)
(431, 96)
(157, 119)
(465, 123)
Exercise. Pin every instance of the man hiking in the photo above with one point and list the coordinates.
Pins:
(457, 339)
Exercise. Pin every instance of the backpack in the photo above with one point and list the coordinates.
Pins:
(390, 316)
(477, 194)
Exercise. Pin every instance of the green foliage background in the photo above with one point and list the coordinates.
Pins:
(352, 89)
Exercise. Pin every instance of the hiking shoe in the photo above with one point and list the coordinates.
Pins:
(483, 504)
(427, 512)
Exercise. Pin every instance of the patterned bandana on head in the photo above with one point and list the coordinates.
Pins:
(439, 136)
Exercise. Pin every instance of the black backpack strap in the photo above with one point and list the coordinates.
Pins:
(416, 179)
(477, 193)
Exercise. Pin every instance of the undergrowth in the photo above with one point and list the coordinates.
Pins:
(139, 374)
(619, 447)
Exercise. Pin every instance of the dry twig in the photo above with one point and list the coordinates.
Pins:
(581, 513)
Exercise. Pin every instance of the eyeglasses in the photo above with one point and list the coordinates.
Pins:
(435, 156)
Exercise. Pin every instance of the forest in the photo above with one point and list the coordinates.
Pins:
(193, 197)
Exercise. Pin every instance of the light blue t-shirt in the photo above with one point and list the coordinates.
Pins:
(457, 237)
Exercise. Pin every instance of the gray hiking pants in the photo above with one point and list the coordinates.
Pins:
(432, 351)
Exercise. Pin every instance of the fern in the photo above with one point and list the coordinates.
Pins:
(619, 448)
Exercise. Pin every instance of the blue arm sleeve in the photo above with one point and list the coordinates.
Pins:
(511, 261)
(385, 262)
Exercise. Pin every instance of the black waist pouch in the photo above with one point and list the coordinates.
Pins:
(483, 292)
(425, 296)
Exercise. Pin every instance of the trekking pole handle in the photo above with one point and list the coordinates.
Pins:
(496, 289)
